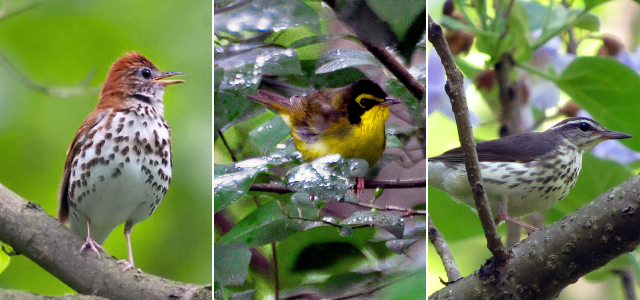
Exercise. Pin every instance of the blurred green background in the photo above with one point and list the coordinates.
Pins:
(57, 43)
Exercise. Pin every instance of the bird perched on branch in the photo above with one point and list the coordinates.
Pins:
(118, 166)
(348, 120)
(522, 173)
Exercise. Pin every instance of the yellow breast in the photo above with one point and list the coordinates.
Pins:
(365, 140)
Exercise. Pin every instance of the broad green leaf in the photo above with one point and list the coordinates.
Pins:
(344, 58)
(232, 263)
(4, 258)
(608, 90)
(295, 252)
(262, 15)
(269, 134)
(400, 17)
(390, 223)
(414, 282)
(265, 225)
(230, 187)
(589, 22)
(518, 36)
(589, 4)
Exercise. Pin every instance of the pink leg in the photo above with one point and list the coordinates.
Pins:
(359, 186)
(127, 234)
(91, 243)
(502, 212)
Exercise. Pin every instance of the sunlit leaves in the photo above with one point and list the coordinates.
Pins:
(607, 89)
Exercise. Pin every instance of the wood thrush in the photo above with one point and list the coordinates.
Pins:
(118, 167)
(523, 173)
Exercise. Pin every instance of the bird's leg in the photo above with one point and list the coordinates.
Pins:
(503, 214)
(359, 187)
(90, 243)
(127, 234)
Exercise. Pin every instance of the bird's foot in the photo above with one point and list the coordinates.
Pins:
(92, 244)
(128, 264)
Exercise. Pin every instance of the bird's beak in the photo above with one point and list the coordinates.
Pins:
(389, 102)
(168, 82)
(613, 135)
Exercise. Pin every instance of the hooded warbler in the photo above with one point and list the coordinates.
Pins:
(348, 120)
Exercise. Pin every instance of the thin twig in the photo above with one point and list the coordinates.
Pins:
(407, 211)
(626, 278)
(275, 270)
(455, 91)
(62, 92)
(5, 13)
(224, 141)
(438, 242)
(368, 184)
(392, 64)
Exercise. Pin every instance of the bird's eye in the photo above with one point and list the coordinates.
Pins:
(584, 126)
(146, 73)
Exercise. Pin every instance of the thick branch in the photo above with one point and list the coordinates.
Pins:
(455, 91)
(22, 295)
(556, 256)
(32, 232)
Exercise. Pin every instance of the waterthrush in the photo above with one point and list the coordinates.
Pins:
(118, 167)
(522, 173)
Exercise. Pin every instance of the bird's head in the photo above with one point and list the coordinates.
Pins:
(365, 95)
(585, 133)
(134, 78)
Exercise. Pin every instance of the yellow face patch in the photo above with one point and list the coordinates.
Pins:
(367, 96)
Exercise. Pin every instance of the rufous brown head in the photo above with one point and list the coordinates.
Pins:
(135, 78)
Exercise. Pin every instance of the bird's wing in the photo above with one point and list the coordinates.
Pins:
(316, 114)
(63, 194)
(515, 148)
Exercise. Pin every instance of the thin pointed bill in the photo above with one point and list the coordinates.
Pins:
(613, 135)
(389, 102)
(168, 82)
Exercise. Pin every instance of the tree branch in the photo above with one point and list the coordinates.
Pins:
(29, 230)
(438, 242)
(455, 91)
(368, 184)
(558, 255)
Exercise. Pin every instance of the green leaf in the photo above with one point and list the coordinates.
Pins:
(269, 134)
(246, 295)
(344, 58)
(414, 282)
(399, 17)
(4, 258)
(390, 223)
(393, 141)
(589, 4)
(589, 22)
(517, 40)
(265, 225)
(608, 90)
(230, 187)
(232, 263)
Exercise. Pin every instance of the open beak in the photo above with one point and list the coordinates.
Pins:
(389, 102)
(168, 82)
(613, 135)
